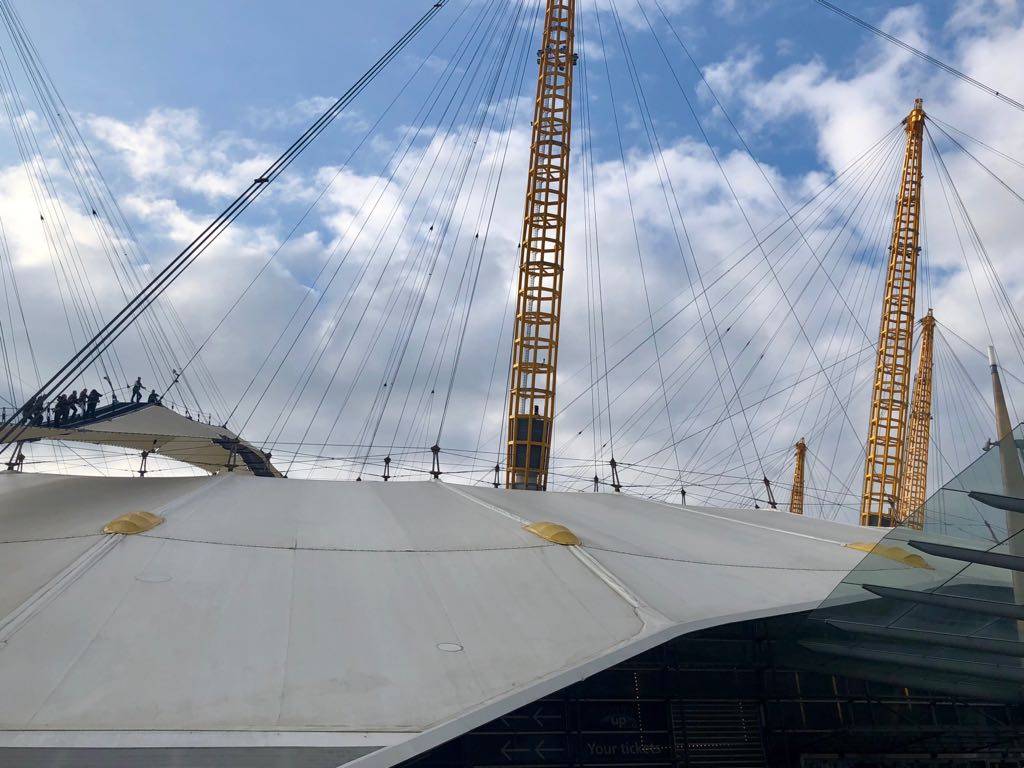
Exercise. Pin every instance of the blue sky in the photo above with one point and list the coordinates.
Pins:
(123, 58)
(184, 103)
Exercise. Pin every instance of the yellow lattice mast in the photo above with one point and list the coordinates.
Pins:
(796, 496)
(890, 394)
(914, 485)
(541, 258)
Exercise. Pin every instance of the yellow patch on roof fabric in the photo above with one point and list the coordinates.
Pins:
(133, 522)
(892, 553)
(553, 532)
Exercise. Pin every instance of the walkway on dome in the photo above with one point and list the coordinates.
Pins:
(157, 429)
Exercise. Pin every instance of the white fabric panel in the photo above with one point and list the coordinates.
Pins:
(292, 606)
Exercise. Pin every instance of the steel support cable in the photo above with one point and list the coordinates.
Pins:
(821, 426)
(380, 278)
(30, 154)
(65, 126)
(434, 369)
(922, 55)
(979, 406)
(10, 287)
(778, 452)
(665, 173)
(6, 252)
(89, 201)
(503, 323)
(596, 326)
(401, 152)
(869, 235)
(791, 251)
(327, 262)
(454, 184)
(580, 119)
(714, 154)
(55, 222)
(339, 312)
(813, 200)
(591, 193)
(870, 289)
(657, 152)
(1003, 370)
(767, 396)
(736, 130)
(112, 212)
(822, 417)
(963, 414)
(981, 165)
(793, 407)
(440, 348)
(647, 406)
(984, 412)
(770, 233)
(755, 404)
(995, 282)
(510, 113)
(4, 353)
(875, 191)
(593, 356)
(653, 335)
(746, 301)
(976, 140)
(812, 396)
(655, 145)
(420, 255)
(668, 21)
(303, 381)
(944, 183)
(115, 327)
(840, 336)
(327, 336)
(78, 175)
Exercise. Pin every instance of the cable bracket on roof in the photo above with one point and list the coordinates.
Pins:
(771, 495)
(435, 470)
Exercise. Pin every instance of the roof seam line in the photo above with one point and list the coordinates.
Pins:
(503, 512)
(50, 591)
(693, 511)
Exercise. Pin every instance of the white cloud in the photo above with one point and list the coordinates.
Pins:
(178, 172)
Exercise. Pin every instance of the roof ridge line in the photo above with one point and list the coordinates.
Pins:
(693, 511)
(650, 618)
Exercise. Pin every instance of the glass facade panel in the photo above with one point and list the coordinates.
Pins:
(939, 602)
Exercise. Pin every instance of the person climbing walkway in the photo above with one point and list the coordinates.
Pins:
(137, 390)
(60, 410)
(93, 399)
(28, 411)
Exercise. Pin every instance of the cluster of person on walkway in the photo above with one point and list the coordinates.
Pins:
(75, 406)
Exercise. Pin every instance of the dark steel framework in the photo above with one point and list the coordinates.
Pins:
(722, 698)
